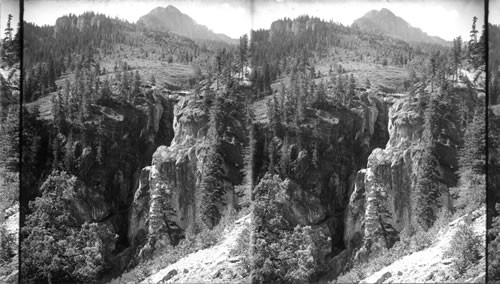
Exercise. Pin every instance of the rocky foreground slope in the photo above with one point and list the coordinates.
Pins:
(432, 264)
(222, 263)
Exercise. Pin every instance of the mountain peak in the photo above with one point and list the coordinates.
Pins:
(388, 23)
(386, 11)
(172, 19)
(171, 8)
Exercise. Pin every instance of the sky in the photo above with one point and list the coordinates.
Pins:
(494, 12)
(446, 19)
(9, 7)
(229, 17)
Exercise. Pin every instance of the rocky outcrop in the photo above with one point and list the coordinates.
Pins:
(295, 27)
(384, 192)
(176, 171)
(316, 193)
(106, 154)
(81, 23)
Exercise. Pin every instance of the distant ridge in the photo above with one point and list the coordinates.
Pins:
(173, 20)
(386, 22)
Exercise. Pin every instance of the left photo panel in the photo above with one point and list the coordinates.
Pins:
(10, 101)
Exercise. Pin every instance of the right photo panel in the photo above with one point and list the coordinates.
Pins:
(493, 141)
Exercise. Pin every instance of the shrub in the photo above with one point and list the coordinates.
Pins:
(493, 248)
(6, 245)
(55, 245)
(283, 253)
(470, 194)
(465, 248)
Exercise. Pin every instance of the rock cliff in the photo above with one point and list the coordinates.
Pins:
(167, 200)
(384, 193)
(106, 154)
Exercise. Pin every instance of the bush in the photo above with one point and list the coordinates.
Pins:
(470, 194)
(465, 248)
(493, 248)
(64, 250)
(7, 243)
(283, 253)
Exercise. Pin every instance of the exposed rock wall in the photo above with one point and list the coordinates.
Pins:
(317, 195)
(165, 203)
(176, 171)
(391, 172)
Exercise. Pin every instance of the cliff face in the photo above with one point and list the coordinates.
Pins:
(66, 24)
(317, 185)
(295, 27)
(391, 173)
(106, 154)
(166, 202)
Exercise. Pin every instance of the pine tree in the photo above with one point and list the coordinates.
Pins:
(9, 140)
(471, 190)
(427, 188)
(472, 155)
(316, 138)
(473, 35)
(433, 66)
(274, 115)
(124, 86)
(339, 92)
(8, 30)
(457, 55)
(320, 97)
(243, 53)
(137, 84)
(284, 161)
(249, 157)
(105, 91)
(100, 141)
(271, 151)
(212, 186)
(58, 111)
(352, 85)
(368, 84)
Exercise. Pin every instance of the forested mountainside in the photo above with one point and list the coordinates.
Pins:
(9, 151)
(493, 224)
(51, 52)
(305, 152)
